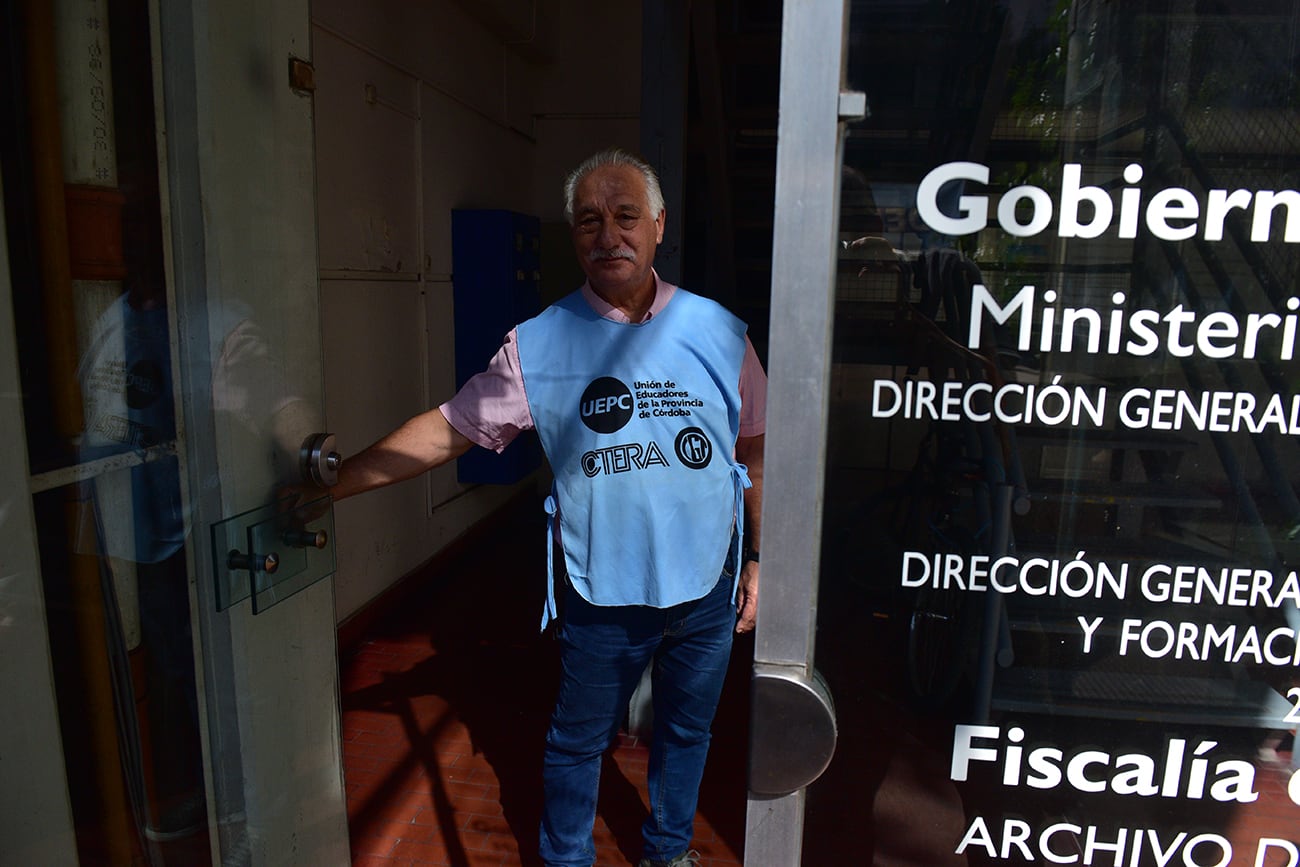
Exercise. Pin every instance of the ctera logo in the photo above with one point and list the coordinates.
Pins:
(622, 459)
(606, 405)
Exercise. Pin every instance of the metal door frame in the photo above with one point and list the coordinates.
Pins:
(810, 138)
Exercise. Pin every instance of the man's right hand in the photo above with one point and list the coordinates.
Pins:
(307, 502)
(747, 597)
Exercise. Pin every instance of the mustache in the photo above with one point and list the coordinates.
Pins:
(599, 255)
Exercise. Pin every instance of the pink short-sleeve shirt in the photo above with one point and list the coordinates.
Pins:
(492, 408)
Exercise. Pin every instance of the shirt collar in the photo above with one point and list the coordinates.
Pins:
(663, 294)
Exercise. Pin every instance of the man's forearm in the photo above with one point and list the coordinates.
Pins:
(749, 451)
(420, 444)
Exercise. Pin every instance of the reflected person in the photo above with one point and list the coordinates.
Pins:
(139, 535)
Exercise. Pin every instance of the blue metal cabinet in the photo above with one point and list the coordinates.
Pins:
(496, 267)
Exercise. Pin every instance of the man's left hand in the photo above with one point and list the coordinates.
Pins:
(747, 597)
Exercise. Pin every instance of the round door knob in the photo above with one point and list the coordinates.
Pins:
(318, 461)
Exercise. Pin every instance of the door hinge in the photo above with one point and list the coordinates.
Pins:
(302, 76)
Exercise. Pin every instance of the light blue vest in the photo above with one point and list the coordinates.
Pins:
(639, 423)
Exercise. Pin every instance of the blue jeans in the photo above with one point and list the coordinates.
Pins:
(604, 650)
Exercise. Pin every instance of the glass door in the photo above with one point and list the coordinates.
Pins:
(170, 627)
(240, 212)
(1057, 602)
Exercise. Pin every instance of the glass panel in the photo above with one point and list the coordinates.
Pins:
(94, 340)
(170, 362)
(1058, 609)
(303, 541)
(230, 545)
(272, 552)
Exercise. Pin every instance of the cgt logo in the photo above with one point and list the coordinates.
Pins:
(606, 405)
(693, 448)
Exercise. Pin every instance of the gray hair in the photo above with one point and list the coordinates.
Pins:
(614, 157)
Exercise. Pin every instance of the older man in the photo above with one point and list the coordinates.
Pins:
(649, 404)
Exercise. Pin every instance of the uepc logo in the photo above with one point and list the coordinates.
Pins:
(606, 405)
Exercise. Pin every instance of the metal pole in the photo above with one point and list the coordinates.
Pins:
(809, 155)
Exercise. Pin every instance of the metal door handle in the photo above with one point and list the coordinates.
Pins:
(318, 460)
(267, 563)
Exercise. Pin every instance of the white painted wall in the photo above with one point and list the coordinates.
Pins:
(422, 108)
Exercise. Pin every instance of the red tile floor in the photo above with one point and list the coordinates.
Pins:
(445, 704)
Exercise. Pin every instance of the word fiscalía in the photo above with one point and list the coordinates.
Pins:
(1174, 774)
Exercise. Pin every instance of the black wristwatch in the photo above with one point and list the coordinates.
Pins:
(750, 556)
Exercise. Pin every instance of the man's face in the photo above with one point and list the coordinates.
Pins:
(614, 233)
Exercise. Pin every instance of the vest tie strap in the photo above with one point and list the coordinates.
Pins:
(549, 612)
(740, 473)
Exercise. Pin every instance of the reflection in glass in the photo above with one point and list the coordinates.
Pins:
(1061, 493)
(95, 355)
(126, 387)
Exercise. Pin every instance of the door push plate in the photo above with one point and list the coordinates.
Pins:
(793, 732)
(271, 552)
